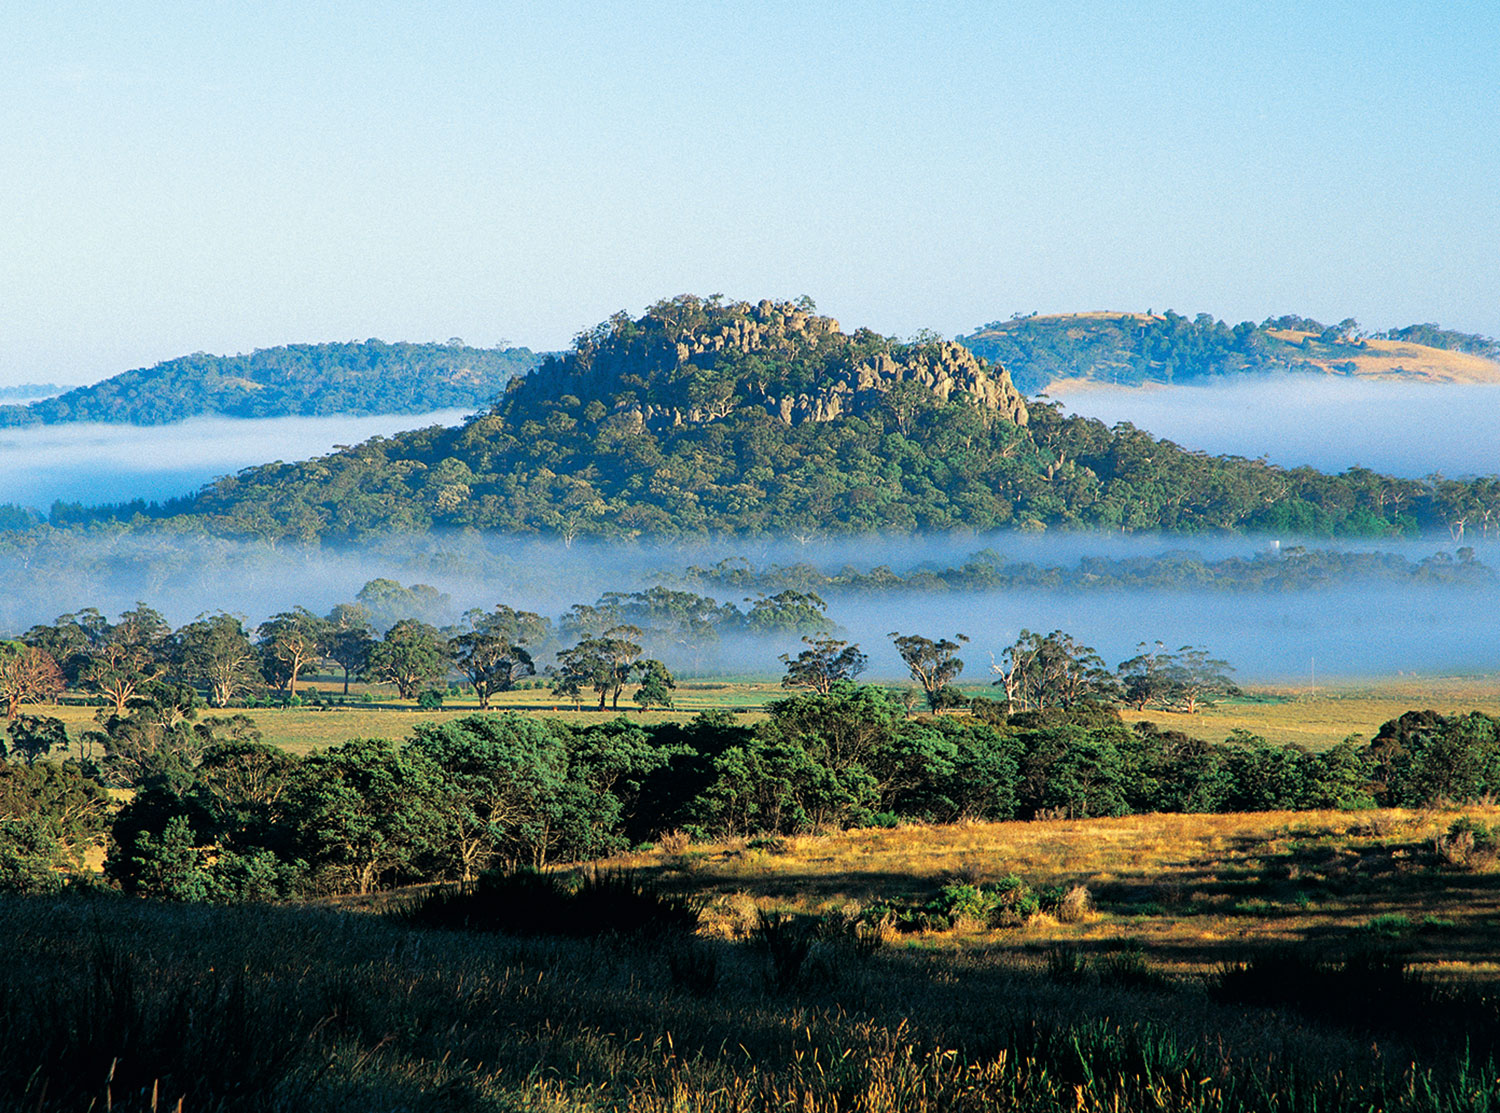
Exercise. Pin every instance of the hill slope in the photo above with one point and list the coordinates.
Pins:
(709, 418)
(301, 379)
(1136, 348)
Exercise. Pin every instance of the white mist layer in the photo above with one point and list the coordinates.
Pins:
(1359, 629)
(97, 463)
(1330, 423)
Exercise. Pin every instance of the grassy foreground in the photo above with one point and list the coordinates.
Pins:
(782, 1000)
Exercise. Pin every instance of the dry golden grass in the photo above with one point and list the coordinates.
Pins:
(1403, 360)
(1323, 716)
(1193, 891)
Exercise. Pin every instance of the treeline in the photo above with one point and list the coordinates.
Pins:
(1293, 568)
(219, 815)
(372, 377)
(390, 633)
(1131, 349)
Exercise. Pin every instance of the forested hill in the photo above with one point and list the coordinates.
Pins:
(300, 379)
(1135, 348)
(709, 418)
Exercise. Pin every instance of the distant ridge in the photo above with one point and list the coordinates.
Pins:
(708, 418)
(1135, 349)
(30, 392)
(369, 377)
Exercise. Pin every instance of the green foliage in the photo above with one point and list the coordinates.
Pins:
(933, 664)
(309, 379)
(412, 656)
(35, 736)
(617, 440)
(365, 813)
(1423, 758)
(1130, 349)
(656, 685)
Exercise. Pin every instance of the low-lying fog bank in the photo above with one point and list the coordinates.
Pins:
(1424, 609)
(94, 463)
(1330, 423)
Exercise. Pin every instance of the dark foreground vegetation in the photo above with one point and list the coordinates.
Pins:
(135, 1006)
(218, 816)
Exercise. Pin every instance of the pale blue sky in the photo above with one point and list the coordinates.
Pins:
(223, 176)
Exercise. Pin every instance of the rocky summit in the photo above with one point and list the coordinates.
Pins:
(690, 360)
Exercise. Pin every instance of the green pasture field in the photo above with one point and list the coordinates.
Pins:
(1313, 717)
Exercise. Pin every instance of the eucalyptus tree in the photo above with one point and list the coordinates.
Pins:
(215, 651)
(492, 653)
(824, 663)
(412, 655)
(601, 663)
(347, 638)
(291, 642)
(933, 664)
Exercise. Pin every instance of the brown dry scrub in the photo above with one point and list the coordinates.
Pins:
(1192, 891)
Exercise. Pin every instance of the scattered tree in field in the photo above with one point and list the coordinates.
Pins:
(216, 652)
(289, 643)
(1197, 679)
(824, 663)
(656, 685)
(119, 670)
(347, 639)
(1053, 671)
(492, 653)
(933, 664)
(27, 675)
(1144, 678)
(412, 656)
(602, 664)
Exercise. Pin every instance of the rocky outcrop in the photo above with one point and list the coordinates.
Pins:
(683, 363)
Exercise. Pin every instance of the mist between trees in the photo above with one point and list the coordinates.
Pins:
(1270, 608)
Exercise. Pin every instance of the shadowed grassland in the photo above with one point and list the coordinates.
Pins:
(132, 1006)
(1189, 892)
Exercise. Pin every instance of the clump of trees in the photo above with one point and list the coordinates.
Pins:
(217, 814)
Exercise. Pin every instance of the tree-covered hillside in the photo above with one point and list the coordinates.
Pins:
(301, 379)
(1134, 348)
(704, 417)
